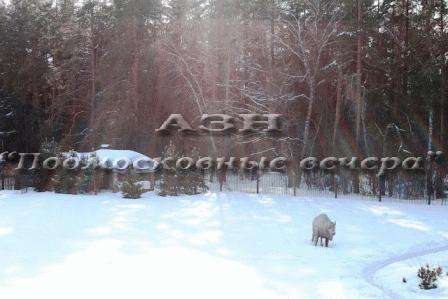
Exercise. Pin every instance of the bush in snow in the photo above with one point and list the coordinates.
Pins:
(191, 182)
(65, 181)
(131, 187)
(168, 184)
(181, 181)
(168, 178)
(86, 182)
(41, 180)
(428, 277)
(197, 176)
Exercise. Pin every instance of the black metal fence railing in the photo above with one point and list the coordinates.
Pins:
(399, 187)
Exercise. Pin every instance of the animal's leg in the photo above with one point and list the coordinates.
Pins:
(321, 244)
(326, 242)
(316, 240)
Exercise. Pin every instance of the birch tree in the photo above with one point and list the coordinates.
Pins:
(308, 37)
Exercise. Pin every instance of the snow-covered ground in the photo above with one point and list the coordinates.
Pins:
(217, 245)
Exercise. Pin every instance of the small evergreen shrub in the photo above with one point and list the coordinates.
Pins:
(181, 181)
(86, 181)
(428, 277)
(65, 182)
(168, 184)
(131, 188)
(41, 180)
(168, 178)
(191, 182)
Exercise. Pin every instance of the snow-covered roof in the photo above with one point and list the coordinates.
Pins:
(118, 154)
(110, 156)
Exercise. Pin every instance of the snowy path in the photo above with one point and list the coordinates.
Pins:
(217, 245)
(371, 270)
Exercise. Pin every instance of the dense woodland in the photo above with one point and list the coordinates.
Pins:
(350, 77)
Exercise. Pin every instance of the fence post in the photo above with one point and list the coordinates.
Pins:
(152, 181)
(380, 184)
(335, 185)
(220, 176)
(428, 180)
(258, 181)
(176, 183)
(294, 184)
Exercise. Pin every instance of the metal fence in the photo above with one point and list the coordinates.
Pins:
(7, 183)
(402, 187)
(397, 188)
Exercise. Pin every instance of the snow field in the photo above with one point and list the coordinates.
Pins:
(216, 245)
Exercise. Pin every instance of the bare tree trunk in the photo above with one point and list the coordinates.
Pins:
(359, 99)
(336, 125)
(306, 130)
(272, 36)
(442, 106)
(359, 72)
(338, 108)
(93, 72)
(309, 39)
(309, 114)
(428, 167)
(134, 75)
(443, 89)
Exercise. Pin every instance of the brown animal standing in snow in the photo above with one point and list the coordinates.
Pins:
(323, 228)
